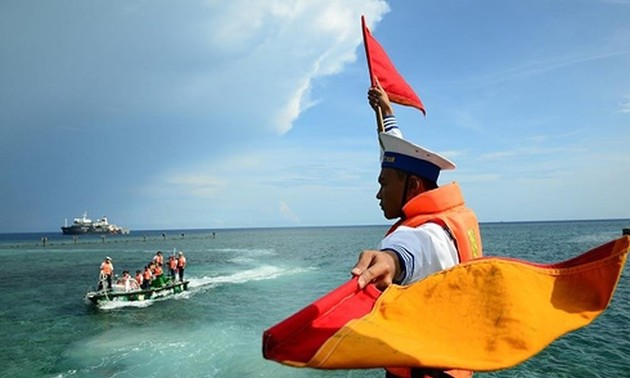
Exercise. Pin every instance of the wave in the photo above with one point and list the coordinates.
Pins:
(265, 272)
(251, 251)
(115, 305)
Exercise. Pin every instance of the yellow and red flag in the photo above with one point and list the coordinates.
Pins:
(484, 315)
(382, 68)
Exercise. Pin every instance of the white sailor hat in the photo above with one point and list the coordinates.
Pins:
(108, 258)
(406, 156)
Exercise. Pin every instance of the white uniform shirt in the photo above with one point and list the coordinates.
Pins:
(422, 251)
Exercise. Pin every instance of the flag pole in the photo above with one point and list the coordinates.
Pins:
(379, 120)
(378, 112)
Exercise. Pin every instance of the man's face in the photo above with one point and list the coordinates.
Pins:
(390, 193)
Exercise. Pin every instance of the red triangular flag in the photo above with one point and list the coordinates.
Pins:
(381, 67)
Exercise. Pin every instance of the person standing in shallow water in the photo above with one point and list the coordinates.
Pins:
(434, 231)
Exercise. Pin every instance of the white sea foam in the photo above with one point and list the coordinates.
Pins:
(247, 251)
(113, 305)
(241, 260)
(265, 272)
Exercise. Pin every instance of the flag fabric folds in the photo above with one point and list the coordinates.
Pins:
(484, 315)
(381, 67)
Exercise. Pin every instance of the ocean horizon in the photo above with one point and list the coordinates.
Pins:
(179, 231)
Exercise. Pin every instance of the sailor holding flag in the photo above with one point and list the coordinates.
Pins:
(422, 304)
(424, 240)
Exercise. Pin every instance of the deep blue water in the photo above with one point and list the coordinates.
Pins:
(242, 282)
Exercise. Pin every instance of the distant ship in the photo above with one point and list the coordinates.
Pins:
(85, 225)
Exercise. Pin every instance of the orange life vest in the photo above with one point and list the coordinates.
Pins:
(107, 268)
(139, 278)
(172, 263)
(147, 274)
(158, 270)
(446, 207)
(181, 262)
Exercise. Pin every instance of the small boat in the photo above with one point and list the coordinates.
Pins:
(130, 291)
(85, 225)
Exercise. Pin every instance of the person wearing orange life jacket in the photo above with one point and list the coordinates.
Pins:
(146, 277)
(158, 258)
(106, 273)
(172, 266)
(435, 230)
(181, 264)
(157, 271)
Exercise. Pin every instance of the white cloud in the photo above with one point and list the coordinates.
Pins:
(176, 94)
(256, 60)
(284, 46)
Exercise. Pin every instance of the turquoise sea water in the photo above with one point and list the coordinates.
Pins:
(242, 282)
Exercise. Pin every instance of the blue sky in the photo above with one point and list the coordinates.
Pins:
(221, 114)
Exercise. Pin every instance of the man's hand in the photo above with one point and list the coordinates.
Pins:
(377, 267)
(377, 97)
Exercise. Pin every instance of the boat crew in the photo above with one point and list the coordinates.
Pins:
(146, 277)
(181, 264)
(158, 259)
(107, 272)
(128, 282)
(157, 271)
(139, 278)
(172, 266)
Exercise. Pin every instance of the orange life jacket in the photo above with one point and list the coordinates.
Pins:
(446, 207)
(158, 270)
(172, 263)
(139, 278)
(107, 268)
(147, 274)
(181, 262)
